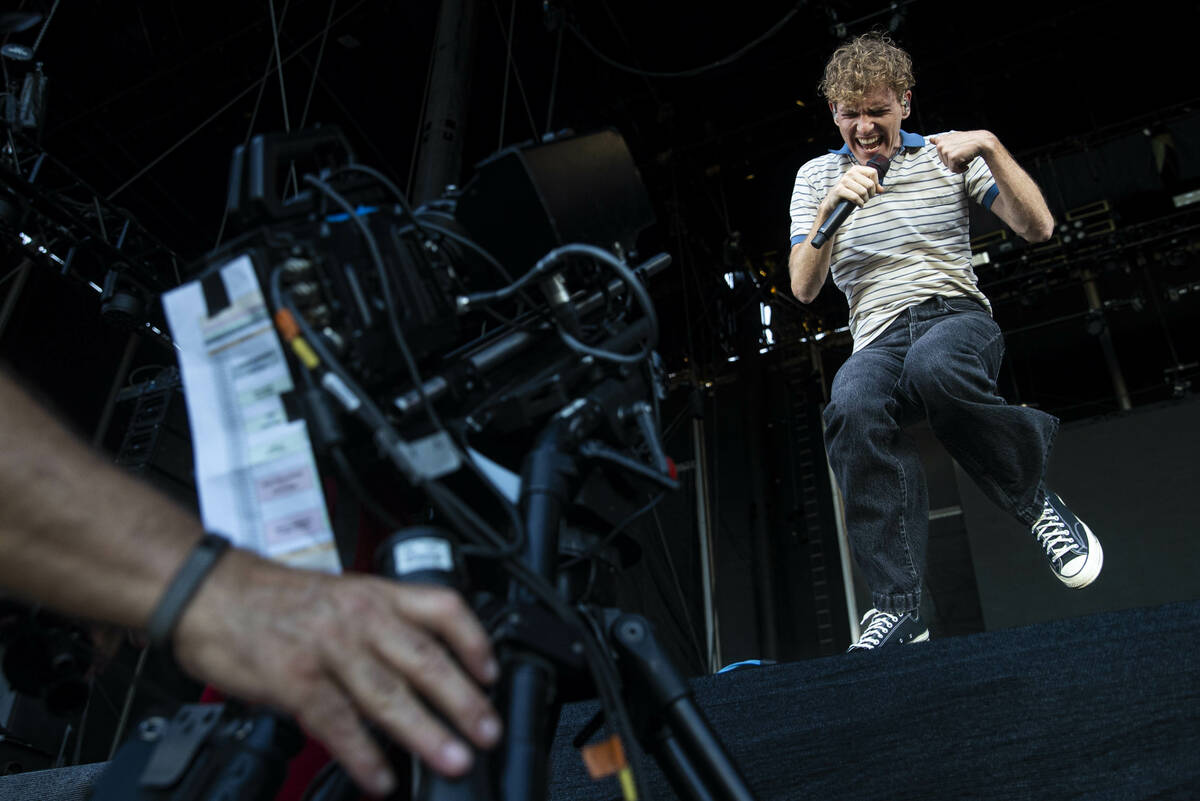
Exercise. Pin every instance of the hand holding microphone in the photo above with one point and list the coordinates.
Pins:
(865, 184)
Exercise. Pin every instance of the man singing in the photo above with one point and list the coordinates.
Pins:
(925, 344)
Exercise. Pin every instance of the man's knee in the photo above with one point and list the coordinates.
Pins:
(850, 401)
(852, 416)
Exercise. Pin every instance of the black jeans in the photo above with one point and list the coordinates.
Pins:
(938, 360)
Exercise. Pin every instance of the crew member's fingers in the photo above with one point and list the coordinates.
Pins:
(326, 714)
(445, 613)
(437, 678)
(382, 694)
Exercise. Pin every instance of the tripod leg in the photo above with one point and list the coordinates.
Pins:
(685, 778)
(693, 748)
(525, 755)
(431, 786)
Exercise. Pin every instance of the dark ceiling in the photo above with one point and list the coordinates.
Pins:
(147, 100)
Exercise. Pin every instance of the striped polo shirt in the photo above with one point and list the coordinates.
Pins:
(904, 246)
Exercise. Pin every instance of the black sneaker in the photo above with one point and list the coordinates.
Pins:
(1074, 552)
(885, 628)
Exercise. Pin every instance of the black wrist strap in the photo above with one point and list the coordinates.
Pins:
(183, 586)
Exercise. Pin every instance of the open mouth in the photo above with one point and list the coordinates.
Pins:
(868, 142)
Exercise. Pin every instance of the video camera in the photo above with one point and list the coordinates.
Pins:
(416, 311)
(493, 345)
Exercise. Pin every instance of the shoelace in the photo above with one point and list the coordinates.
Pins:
(1053, 533)
(881, 624)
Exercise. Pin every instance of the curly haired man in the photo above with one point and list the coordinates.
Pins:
(925, 343)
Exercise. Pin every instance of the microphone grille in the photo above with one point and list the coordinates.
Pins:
(881, 164)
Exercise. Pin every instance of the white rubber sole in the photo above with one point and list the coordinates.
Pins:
(1091, 566)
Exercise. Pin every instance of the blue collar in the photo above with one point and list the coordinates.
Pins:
(906, 140)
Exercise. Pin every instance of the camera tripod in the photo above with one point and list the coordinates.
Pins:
(546, 638)
(541, 648)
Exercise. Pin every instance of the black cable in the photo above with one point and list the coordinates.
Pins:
(351, 480)
(459, 511)
(389, 299)
(474, 246)
(670, 429)
(366, 408)
(602, 665)
(424, 212)
(422, 226)
(398, 334)
(495, 315)
(376, 420)
(390, 185)
(691, 628)
(368, 411)
(482, 252)
(626, 275)
(603, 670)
(599, 661)
(607, 539)
(729, 59)
(554, 78)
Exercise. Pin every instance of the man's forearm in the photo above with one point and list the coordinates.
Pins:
(1019, 203)
(77, 533)
(808, 266)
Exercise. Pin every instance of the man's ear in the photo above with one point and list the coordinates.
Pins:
(906, 104)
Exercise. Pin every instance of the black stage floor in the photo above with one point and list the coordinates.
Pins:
(1099, 707)
(1102, 707)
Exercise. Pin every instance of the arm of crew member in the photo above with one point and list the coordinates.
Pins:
(808, 267)
(1020, 203)
(85, 538)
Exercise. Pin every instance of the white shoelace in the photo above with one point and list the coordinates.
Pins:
(1053, 533)
(881, 624)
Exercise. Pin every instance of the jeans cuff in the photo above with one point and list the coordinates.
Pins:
(1031, 513)
(897, 603)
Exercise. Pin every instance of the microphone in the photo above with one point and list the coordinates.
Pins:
(835, 220)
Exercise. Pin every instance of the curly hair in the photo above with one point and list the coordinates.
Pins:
(865, 63)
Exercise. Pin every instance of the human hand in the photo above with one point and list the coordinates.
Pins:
(859, 184)
(332, 651)
(958, 149)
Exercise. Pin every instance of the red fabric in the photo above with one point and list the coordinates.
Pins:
(301, 769)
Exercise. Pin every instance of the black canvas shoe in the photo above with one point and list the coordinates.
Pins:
(884, 628)
(1074, 552)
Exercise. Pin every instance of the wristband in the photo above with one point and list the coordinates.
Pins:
(183, 586)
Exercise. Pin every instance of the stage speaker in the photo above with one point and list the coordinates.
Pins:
(528, 199)
(1131, 478)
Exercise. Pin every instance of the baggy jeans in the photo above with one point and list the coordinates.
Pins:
(939, 360)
